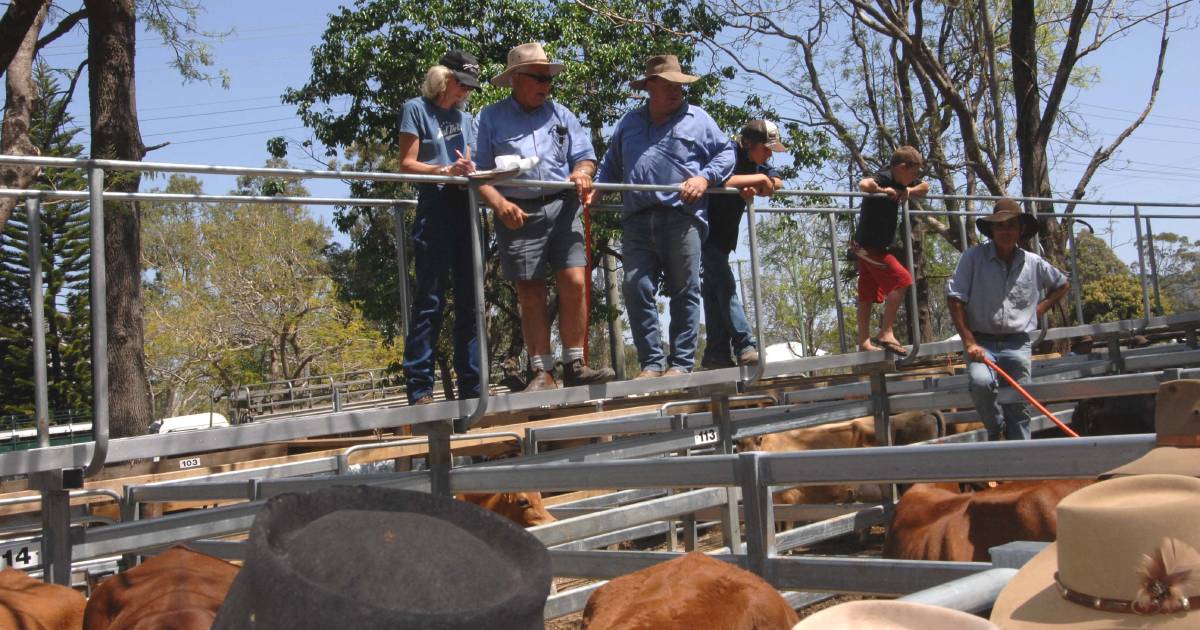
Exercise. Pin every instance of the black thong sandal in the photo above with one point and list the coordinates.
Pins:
(890, 346)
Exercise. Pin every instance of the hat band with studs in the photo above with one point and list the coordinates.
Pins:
(1159, 606)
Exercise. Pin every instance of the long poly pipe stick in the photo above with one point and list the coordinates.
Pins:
(1031, 399)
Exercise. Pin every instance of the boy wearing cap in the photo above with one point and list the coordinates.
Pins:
(667, 142)
(994, 303)
(541, 227)
(881, 278)
(725, 321)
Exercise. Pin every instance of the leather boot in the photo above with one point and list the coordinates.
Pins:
(577, 373)
(541, 381)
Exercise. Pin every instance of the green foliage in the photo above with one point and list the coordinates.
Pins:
(1112, 298)
(65, 246)
(1178, 261)
(1095, 259)
(242, 293)
(176, 21)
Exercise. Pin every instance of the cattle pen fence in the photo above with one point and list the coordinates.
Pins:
(656, 491)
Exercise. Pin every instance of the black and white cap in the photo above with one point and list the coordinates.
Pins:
(765, 132)
(464, 65)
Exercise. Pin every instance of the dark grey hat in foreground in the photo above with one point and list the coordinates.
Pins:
(372, 558)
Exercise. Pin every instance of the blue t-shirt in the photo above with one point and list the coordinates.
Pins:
(440, 131)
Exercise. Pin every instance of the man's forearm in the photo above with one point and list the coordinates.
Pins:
(1054, 297)
(958, 315)
(491, 196)
(584, 167)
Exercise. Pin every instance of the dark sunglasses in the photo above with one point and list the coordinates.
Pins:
(540, 78)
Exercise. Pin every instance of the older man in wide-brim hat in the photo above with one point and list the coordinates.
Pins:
(538, 227)
(666, 142)
(995, 300)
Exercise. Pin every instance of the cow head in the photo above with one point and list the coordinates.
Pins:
(523, 508)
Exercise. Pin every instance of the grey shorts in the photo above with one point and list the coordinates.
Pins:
(551, 235)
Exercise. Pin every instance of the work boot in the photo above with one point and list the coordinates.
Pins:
(749, 356)
(710, 362)
(541, 381)
(578, 373)
(648, 373)
(676, 371)
(424, 400)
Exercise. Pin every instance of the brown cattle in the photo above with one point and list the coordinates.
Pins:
(29, 604)
(688, 593)
(907, 428)
(523, 508)
(179, 589)
(1117, 415)
(934, 522)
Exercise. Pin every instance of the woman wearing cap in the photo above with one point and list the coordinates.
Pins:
(995, 301)
(435, 139)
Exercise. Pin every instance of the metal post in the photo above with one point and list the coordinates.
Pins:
(914, 317)
(962, 226)
(756, 289)
(837, 282)
(402, 266)
(760, 517)
(99, 301)
(883, 423)
(1158, 307)
(41, 396)
(730, 524)
(1137, 224)
(439, 459)
(56, 529)
(1073, 257)
(463, 424)
(612, 294)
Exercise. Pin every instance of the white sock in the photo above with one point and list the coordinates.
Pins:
(543, 362)
(570, 354)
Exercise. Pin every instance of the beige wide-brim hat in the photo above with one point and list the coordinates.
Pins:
(872, 614)
(666, 67)
(1177, 427)
(524, 56)
(1106, 533)
(1004, 210)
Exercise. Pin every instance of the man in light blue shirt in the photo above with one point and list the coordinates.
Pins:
(667, 143)
(994, 301)
(539, 227)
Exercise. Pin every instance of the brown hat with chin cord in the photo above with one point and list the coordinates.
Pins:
(1177, 427)
(1004, 210)
(1126, 557)
(665, 67)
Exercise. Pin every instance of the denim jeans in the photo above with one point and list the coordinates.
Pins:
(725, 322)
(662, 244)
(441, 245)
(1013, 356)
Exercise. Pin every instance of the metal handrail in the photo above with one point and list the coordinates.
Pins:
(343, 458)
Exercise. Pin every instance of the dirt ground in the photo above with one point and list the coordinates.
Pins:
(844, 546)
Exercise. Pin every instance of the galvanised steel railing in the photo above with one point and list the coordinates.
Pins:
(47, 461)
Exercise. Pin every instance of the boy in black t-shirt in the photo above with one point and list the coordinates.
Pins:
(881, 278)
(728, 334)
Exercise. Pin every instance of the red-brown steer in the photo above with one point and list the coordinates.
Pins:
(933, 522)
(179, 589)
(688, 593)
(523, 508)
(29, 604)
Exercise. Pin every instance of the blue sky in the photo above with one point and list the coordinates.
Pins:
(269, 52)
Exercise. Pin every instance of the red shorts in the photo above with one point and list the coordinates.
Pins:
(874, 281)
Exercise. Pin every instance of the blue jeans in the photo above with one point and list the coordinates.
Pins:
(724, 319)
(662, 244)
(1013, 355)
(441, 245)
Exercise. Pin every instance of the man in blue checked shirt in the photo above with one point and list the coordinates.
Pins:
(540, 227)
(667, 142)
(995, 299)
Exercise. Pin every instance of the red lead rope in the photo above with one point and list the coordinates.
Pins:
(1031, 399)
